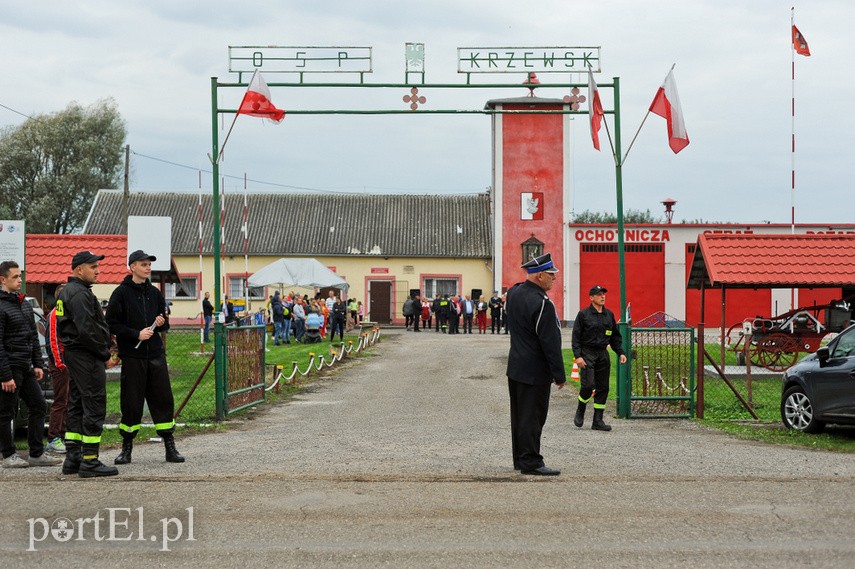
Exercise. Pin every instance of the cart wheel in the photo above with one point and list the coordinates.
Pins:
(777, 352)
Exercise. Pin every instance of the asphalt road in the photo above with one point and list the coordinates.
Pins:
(403, 459)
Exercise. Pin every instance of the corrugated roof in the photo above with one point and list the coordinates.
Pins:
(316, 225)
(773, 261)
(49, 256)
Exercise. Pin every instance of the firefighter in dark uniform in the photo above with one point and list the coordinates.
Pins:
(86, 339)
(594, 330)
(136, 315)
(535, 362)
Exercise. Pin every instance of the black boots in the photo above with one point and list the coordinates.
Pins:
(92, 468)
(580, 414)
(598, 424)
(127, 447)
(73, 457)
(172, 454)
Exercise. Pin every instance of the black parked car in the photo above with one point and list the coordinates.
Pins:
(820, 389)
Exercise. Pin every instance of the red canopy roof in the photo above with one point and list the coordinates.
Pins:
(773, 261)
(49, 256)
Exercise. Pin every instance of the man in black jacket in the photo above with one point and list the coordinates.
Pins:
(594, 330)
(21, 368)
(86, 339)
(535, 362)
(136, 315)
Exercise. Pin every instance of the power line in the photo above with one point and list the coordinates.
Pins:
(262, 182)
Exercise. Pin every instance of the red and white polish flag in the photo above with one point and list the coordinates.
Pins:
(666, 104)
(257, 101)
(595, 110)
(531, 205)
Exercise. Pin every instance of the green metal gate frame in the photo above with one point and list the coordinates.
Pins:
(663, 355)
(619, 158)
(230, 401)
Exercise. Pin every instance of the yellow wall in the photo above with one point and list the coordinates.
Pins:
(472, 273)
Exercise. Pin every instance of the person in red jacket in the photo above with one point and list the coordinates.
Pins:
(59, 380)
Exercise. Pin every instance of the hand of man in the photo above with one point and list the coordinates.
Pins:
(560, 385)
(8, 386)
(581, 363)
(622, 359)
(39, 373)
(160, 320)
(145, 334)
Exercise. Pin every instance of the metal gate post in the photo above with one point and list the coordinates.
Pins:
(624, 377)
(220, 369)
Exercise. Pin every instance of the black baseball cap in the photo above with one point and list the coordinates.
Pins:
(140, 255)
(84, 257)
(597, 289)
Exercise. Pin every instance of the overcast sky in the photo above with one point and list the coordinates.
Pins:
(733, 71)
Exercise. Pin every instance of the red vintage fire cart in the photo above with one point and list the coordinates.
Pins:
(776, 343)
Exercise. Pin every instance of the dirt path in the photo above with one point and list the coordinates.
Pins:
(403, 459)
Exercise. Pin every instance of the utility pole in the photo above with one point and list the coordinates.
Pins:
(126, 196)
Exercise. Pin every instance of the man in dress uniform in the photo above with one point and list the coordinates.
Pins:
(535, 362)
(594, 330)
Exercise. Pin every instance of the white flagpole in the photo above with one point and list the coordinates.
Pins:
(245, 247)
(199, 287)
(793, 129)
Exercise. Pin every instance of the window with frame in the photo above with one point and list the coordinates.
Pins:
(236, 289)
(185, 290)
(438, 287)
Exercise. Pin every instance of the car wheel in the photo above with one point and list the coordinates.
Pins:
(797, 412)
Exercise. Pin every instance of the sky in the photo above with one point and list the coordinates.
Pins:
(733, 72)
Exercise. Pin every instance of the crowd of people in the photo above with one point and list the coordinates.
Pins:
(455, 314)
(310, 320)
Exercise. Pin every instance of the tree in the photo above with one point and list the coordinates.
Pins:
(51, 166)
(632, 216)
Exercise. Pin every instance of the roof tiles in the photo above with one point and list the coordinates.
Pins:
(49, 256)
(316, 225)
(773, 261)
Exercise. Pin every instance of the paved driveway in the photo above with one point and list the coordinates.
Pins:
(403, 459)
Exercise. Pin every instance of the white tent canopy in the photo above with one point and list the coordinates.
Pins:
(302, 272)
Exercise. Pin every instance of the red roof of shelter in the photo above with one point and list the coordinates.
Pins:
(49, 256)
(773, 261)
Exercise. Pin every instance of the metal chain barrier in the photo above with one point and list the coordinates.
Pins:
(317, 362)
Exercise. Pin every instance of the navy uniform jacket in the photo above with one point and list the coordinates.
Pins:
(595, 330)
(535, 356)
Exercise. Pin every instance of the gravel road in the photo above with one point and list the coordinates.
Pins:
(403, 459)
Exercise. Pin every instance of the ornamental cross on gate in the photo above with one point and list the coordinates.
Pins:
(414, 99)
(576, 99)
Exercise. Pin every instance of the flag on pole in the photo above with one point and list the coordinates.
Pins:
(666, 104)
(799, 43)
(257, 101)
(596, 109)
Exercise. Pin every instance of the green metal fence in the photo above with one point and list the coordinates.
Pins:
(662, 372)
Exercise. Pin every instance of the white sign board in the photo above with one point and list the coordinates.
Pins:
(154, 236)
(282, 59)
(528, 59)
(12, 237)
